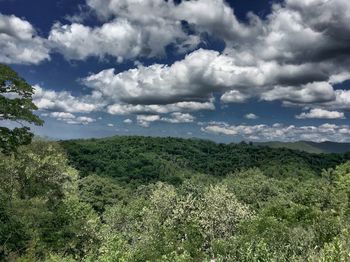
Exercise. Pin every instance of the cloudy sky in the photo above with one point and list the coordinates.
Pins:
(253, 70)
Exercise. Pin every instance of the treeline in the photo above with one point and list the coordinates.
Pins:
(147, 159)
(173, 209)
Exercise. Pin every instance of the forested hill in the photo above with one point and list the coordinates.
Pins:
(309, 146)
(141, 199)
(148, 159)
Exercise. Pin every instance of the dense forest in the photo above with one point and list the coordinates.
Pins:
(145, 159)
(169, 199)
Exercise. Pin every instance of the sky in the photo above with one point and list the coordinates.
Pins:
(253, 70)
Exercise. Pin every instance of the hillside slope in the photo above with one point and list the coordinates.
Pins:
(148, 159)
(309, 146)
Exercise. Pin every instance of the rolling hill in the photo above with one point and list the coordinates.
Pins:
(310, 147)
(148, 159)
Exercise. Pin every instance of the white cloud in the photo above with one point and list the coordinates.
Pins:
(70, 118)
(126, 109)
(174, 118)
(262, 60)
(309, 93)
(128, 121)
(65, 101)
(82, 120)
(321, 114)
(194, 78)
(110, 125)
(76, 41)
(282, 133)
(62, 115)
(342, 100)
(131, 29)
(20, 43)
(145, 120)
(251, 116)
(177, 117)
(234, 96)
(215, 17)
(204, 72)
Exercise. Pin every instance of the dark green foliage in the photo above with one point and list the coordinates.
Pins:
(12, 232)
(100, 192)
(16, 106)
(146, 159)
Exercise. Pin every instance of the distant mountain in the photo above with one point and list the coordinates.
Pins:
(308, 146)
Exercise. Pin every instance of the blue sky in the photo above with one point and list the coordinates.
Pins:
(221, 70)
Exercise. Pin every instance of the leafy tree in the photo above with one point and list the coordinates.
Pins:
(40, 209)
(16, 105)
(100, 192)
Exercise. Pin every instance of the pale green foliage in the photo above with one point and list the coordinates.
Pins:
(181, 226)
(38, 170)
(58, 258)
(175, 257)
(220, 212)
(336, 251)
(39, 195)
(113, 248)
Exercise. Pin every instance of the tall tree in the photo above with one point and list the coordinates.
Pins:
(16, 106)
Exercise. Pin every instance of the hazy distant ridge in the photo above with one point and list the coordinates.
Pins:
(308, 146)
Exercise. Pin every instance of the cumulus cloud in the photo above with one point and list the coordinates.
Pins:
(65, 101)
(234, 96)
(70, 118)
(280, 132)
(20, 43)
(320, 113)
(316, 23)
(341, 101)
(177, 117)
(251, 116)
(195, 78)
(76, 41)
(310, 93)
(191, 79)
(262, 59)
(131, 29)
(212, 16)
(62, 115)
(174, 118)
(127, 121)
(81, 120)
(145, 120)
(49, 100)
(126, 109)
(204, 72)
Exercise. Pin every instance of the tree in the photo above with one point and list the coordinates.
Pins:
(16, 105)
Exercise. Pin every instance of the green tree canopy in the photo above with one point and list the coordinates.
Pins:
(16, 105)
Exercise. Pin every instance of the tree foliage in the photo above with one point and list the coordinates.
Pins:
(50, 211)
(16, 105)
(141, 160)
